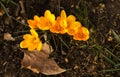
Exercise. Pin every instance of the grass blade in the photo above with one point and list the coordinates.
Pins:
(110, 70)
(117, 38)
(108, 59)
(4, 8)
(112, 54)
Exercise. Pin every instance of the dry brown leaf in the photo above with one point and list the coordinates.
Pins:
(47, 48)
(8, 37)
(1, 12)
(40, 62)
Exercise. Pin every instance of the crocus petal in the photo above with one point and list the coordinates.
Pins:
(63, 14)
(63, 23)
(75, 24)
(24, 44)
(28, 36)
(70, 19)
(34, 33)
(36, 18)
(47, 14)
(39, 47)
(31, 47)
(32, 23)
(52, 18)
(73, 28)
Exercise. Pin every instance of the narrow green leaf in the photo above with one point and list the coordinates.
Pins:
(108, 59)
(110, 70)
(117, 38)
(112, 54)
(64, 42)
(54, 42)
(4, 8)
(13, 2)
(117, 65)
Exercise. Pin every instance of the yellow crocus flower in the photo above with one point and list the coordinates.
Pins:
(33, 23)
(31, 41)
(46, 21)
(82, 34)
(60, 24)
(73, 28)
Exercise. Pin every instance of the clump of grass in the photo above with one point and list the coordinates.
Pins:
(5, 2)
(100, 50)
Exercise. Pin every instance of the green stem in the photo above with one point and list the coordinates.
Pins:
(4, 8)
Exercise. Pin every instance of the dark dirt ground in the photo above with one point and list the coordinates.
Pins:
(104, 15)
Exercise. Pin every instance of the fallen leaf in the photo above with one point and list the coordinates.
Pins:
(64, 53)
(47, 48)
(40, 62)
(8, 37)
(76, 67)
(1, 12)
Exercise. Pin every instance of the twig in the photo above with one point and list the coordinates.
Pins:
(22, 7)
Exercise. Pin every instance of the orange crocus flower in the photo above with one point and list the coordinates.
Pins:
(73, 25)
(70, 19)
(73, 28)
(33, 23)
(60, 24)
(58, 28)
(82, 34)
(46, 21)
(31, 41)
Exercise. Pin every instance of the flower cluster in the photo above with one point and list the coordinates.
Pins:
(62, 24)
